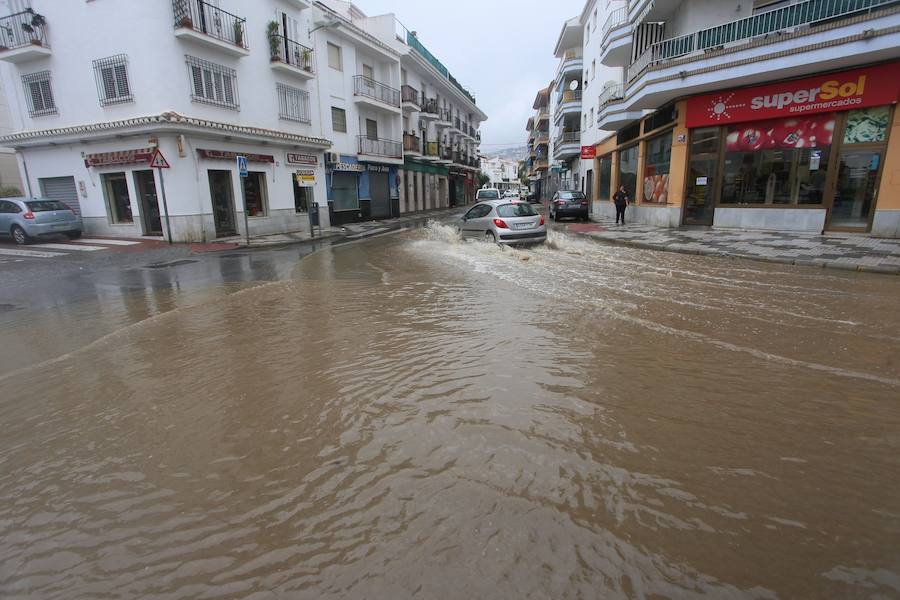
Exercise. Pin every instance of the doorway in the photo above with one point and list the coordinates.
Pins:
(151, 220)
(380, 191)
(702, 177)
(220, 191)
(854, 191)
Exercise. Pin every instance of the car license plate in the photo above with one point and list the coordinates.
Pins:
(62, 227)
(524, 225)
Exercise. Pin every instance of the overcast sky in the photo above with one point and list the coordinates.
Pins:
(502, 50)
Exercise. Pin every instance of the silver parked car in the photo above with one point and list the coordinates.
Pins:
(25, 219)
(504, 222)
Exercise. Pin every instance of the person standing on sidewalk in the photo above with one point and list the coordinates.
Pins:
(621, 200)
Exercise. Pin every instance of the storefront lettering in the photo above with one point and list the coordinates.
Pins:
(293, 158)
(123, 157)
(228, 155)
(343, 166)
(859, 88)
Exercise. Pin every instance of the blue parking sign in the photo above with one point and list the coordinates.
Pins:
(242, 166)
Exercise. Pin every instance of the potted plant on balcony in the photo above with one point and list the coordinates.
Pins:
(307, 63)
(274, 42)
(238, 33)
(34, 26)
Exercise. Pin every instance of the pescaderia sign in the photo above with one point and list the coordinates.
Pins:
(860, 88)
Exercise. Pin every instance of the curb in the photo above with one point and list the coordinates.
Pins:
(797, 262)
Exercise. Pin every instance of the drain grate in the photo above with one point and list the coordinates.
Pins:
(174, 263)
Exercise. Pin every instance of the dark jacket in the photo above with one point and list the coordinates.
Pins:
(621, 198)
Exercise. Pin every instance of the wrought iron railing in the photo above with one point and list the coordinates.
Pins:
(444, 115)
(615, 19)
(764, 23)
(379, 147)
(411, 143)
(409, 94)
(293, 53)
(366, 86)
(213, 21)
(20, 29)
(430, 106)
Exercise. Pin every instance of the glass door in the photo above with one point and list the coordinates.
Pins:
(701, 185)
(854, 192)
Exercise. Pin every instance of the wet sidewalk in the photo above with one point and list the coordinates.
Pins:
(851, 252)
(350, 231)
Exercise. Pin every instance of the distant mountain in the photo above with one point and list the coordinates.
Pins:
(517, 153)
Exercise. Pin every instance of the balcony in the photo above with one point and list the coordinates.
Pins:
(380, 149)
(375, 94)
(567, 144)
(615, 43)
(22, 37)
(446, 156)
(541, 137)
(430, 111)
(432, 151)
(201, 22)
(569, 103)
(291, 57)
(807, 37)
(412, 145)
(409, 98)
(444, 119)
(572, 65)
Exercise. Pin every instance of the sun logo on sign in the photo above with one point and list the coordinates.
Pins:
(718, 108)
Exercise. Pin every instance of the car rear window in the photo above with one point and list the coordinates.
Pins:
(488, 195)
(45, 205)
(571, 195)
(516, 210)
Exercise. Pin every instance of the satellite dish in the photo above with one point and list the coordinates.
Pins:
(574, 85)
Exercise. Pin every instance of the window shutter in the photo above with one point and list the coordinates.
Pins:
(197, 79)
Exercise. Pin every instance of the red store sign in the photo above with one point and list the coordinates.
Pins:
(122, 157)
(588, 152)
(227, 155)
(859, 88)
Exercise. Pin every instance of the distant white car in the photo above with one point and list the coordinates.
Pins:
(487, 194)
(510, 194)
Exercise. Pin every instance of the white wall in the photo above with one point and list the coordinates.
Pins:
(699, 14)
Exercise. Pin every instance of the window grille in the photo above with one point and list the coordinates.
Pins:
(293, 104)
(212, 83)
(38, 94)
(113, 86)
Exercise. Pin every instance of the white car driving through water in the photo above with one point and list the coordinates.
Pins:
(504, 222)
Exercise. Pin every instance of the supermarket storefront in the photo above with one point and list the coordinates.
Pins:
(812, 154)
(801, 155)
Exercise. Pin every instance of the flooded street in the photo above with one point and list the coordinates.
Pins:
(416, 417)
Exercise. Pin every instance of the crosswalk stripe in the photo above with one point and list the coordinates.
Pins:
(105, 242)
(28, 253)
(77, 247)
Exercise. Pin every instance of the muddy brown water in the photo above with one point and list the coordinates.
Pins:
(414, 417)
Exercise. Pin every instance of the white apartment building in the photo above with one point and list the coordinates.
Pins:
(307, 91)
(762, 114)
(537, 161)
(503, 173)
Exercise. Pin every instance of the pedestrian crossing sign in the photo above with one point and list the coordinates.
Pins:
(243, 167)
(158, 161)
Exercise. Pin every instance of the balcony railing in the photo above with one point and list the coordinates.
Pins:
(615, 19)
(779, 19)
(446, 153)
(211, 20)
(22, 29)
(411, 143)
(409, 94)
(568, 137)
(432, 149)
(292, 53)
(611, 93)
(365, 86)
(430, 106)
(378, 147)
(570, 96)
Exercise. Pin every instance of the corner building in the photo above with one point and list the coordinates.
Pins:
(750, 115)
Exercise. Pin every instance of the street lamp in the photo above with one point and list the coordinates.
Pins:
(330, 22)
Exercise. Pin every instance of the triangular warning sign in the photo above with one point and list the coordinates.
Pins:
(158, 161)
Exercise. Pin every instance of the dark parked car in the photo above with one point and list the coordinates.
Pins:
(532, 197)
(569, 204)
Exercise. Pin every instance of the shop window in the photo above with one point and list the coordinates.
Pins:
(656, 169)
(661, 118)
(118, 202)
(255, 194)
(605, 176)
(628, 165)
(303, 197)
(779, 162)
(867, 125)
(344, 193)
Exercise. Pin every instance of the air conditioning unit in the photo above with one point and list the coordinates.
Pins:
(332, 158)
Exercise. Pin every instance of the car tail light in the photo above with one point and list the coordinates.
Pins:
(28, 215)
(584, 203)
(542, 219)
(501, 224)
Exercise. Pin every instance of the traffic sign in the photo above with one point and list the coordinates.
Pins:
(158, 161)
(242, 166)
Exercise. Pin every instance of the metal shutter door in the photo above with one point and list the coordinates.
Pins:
(62, 189)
